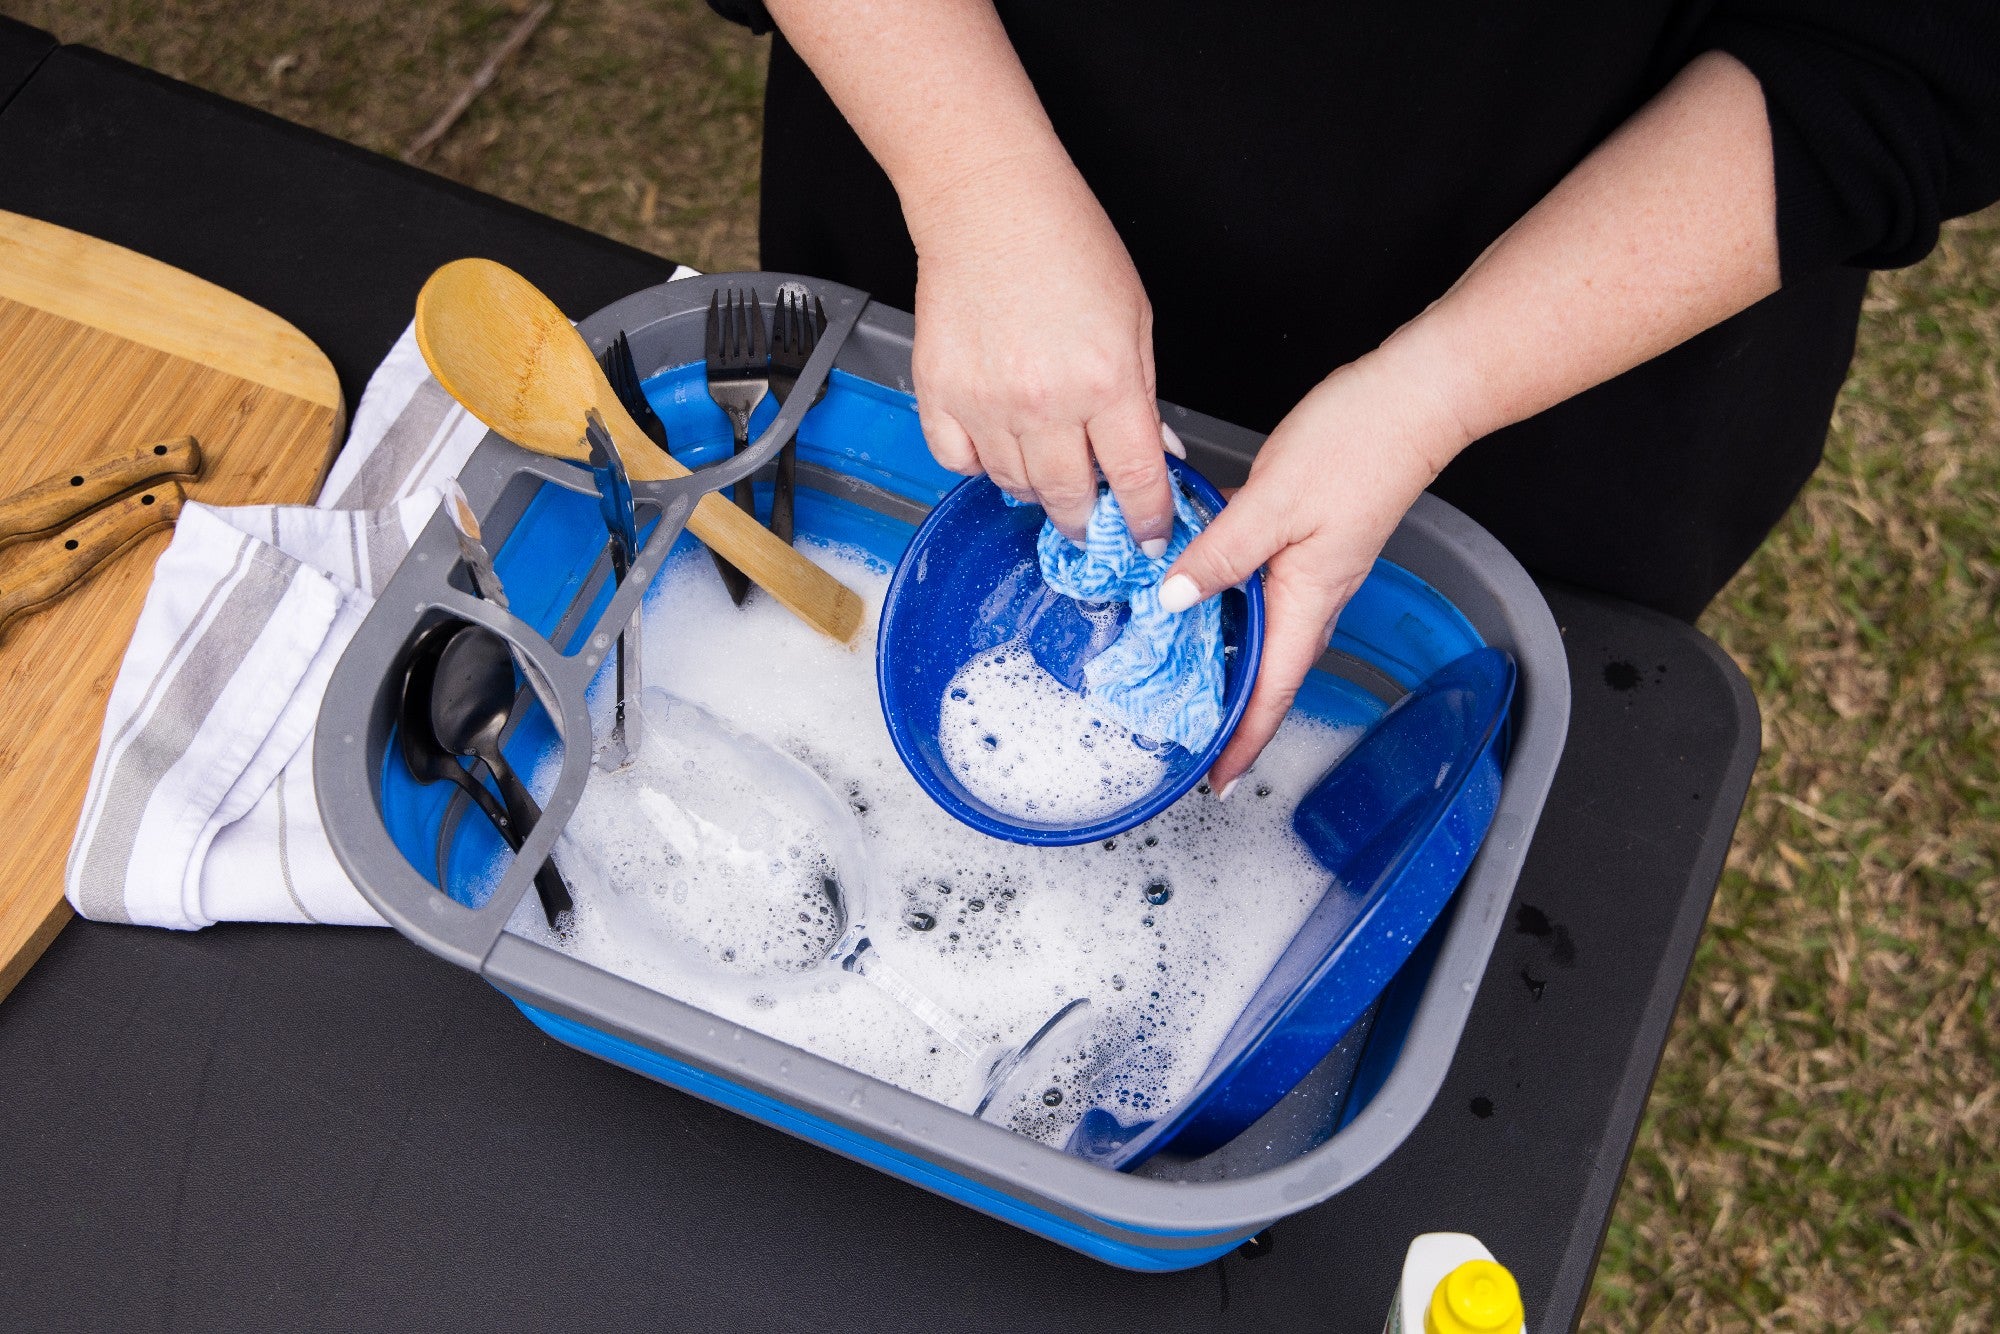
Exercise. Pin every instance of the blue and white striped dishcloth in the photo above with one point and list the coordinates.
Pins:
(1162, 676)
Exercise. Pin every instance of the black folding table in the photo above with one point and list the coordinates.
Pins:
(304, 1128)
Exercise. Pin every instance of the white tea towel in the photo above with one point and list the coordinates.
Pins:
(201, 805)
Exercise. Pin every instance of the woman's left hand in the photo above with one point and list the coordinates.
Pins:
(1326, 490)
(1667, 228)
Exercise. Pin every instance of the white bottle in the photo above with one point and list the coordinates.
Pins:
(1452, 1285)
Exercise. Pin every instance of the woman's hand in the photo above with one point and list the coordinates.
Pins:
(1668, 227)
(1034, 345)
(1034, 352)
(1326, 490)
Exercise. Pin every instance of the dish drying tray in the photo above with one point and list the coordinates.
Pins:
(1444, 586)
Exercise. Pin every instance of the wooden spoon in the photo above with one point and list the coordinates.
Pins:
(512, 358)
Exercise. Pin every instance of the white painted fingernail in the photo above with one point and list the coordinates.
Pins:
(1172, 443)
(1228, 788)
(1154, 547)
(1178, 594)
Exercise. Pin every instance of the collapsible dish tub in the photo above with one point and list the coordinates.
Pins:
(1443, 587)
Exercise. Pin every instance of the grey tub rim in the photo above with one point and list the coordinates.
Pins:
(1434, 541)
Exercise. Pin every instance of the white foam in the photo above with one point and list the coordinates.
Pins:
(718, 850)
(1014, 933)
(1031, 748)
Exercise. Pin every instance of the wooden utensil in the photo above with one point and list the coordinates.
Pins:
(512, 358)
(53, 502)
(99, 348)
(56, 564)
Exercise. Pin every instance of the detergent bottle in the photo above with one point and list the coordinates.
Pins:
(1452, 1285)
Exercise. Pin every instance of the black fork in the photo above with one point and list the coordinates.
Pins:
(739, 367)
(623, 372)
(795, 333)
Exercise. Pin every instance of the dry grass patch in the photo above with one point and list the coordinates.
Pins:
(1820, 1147)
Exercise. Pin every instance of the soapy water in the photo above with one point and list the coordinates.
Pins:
(732, 857)
(720, 852)
(1032, 749)
(1168, 928)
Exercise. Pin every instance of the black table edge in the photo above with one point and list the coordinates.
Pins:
(1635, 1085)
(430, 179)
(23, 48)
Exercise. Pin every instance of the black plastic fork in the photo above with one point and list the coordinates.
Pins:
(738, 356)
(623, 372)
(795, 333)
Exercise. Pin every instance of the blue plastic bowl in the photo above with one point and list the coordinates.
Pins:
(961, 589)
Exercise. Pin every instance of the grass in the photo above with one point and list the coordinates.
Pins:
(636, 118)
(1819, 1149)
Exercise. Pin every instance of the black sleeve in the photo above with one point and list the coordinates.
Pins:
(750, 13)
(1885, 119)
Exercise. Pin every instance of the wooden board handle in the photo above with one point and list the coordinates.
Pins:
(53, 502)
(53, 566)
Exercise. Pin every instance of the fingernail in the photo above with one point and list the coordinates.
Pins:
(1228, 788)
(1172, 443)
(1178, 593)
(1154, 547)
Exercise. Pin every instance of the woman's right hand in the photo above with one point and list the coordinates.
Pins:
(1034, 345)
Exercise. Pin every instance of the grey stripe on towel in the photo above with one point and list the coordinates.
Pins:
(195, 622)
(402, 448)
(354, 550)
(387, 545)
(185, 704)
(285, 854)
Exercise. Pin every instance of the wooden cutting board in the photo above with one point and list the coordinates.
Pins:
(103, 350)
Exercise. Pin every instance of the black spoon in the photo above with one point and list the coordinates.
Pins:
(471, 700)
(427, 761)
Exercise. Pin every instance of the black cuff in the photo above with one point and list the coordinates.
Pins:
(750, 13)
(1876, 136)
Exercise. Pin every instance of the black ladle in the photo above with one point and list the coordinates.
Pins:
(471, 700)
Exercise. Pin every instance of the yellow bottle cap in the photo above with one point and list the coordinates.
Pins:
(1478, 1297)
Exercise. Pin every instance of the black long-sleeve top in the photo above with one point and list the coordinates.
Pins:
(1295, 181)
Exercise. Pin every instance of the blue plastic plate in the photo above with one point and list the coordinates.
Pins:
(968, 582)
(1396, 823)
